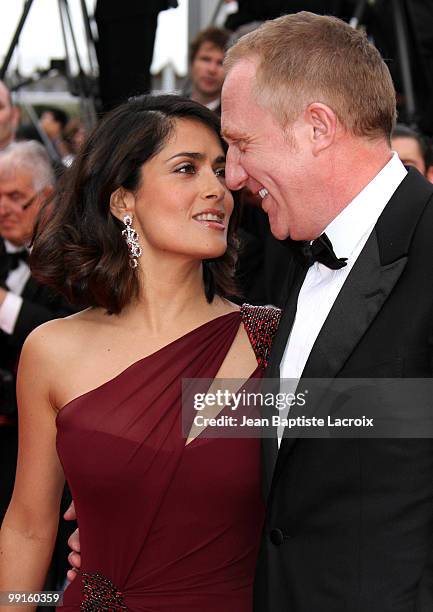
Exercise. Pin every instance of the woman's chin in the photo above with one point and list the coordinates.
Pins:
(210, 251)
(213, 254)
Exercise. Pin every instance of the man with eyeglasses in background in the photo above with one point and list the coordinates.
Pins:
(26, 179)
(26, 182)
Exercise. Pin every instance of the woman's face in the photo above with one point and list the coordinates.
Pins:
(183, 205)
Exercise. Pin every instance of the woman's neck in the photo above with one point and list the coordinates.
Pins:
(171, 296)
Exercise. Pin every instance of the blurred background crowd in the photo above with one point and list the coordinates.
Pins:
(40, 138)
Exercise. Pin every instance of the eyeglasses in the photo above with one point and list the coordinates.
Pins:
(25, 205)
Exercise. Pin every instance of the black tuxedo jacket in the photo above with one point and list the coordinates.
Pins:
(349, 525)
(40, 304)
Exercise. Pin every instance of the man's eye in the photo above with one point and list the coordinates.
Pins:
(186, 169)
(220, 172)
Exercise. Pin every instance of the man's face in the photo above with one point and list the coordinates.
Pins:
(207, 73)
(16, 190)
(8, 117)
(263, 154)
(409, 152)
(52, 128)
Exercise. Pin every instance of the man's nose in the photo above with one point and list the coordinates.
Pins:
(3, 208)
(236, 177)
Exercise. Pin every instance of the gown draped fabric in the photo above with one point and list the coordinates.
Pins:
(164, 527)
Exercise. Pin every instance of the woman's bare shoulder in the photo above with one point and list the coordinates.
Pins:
(58, 337)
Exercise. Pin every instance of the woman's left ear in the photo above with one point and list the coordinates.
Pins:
(323, 122)
(122, 202)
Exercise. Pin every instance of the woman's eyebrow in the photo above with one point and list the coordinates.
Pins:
(190, 154)
(220, 159)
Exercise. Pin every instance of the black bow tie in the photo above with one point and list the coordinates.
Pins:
(14, 259)
(319, 250)
(10, 261)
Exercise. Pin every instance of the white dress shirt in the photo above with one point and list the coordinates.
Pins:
(214, 104)
(348, 233)
(15, 282)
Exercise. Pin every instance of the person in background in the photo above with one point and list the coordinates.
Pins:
(26, 182)
(9, 117)
(413, 149)
(75, 135)
(53, 121)
(206, 70)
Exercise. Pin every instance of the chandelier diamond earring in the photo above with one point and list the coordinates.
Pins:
(131, 239)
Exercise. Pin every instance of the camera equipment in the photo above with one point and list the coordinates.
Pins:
(81, 84)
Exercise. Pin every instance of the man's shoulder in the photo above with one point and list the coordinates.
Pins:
(418, 197)
(404, 219)
(415, 187)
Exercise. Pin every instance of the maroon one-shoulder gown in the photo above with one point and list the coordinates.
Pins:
(164, 527)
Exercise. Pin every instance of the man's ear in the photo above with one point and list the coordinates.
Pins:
(429, 174)
(47, 192)
(122, 202)
(323, 124)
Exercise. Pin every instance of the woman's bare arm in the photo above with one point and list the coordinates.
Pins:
(30, 525)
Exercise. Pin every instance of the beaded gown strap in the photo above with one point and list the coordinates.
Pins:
(261, 324)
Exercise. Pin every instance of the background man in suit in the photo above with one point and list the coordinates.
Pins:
(308, 107)
(26, 181)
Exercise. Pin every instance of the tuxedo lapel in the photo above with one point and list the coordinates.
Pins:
(371, 280)
(269, 445)
(363, 294)
(31, 289)
(4, 268)
(297, 277)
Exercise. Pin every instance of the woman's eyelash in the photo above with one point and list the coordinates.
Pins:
(185, 168)
(188, 168)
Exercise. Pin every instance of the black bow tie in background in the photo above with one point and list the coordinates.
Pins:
(10, 261)
(319, 250)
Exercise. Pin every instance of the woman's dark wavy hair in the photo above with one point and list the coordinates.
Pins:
(78, 248)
